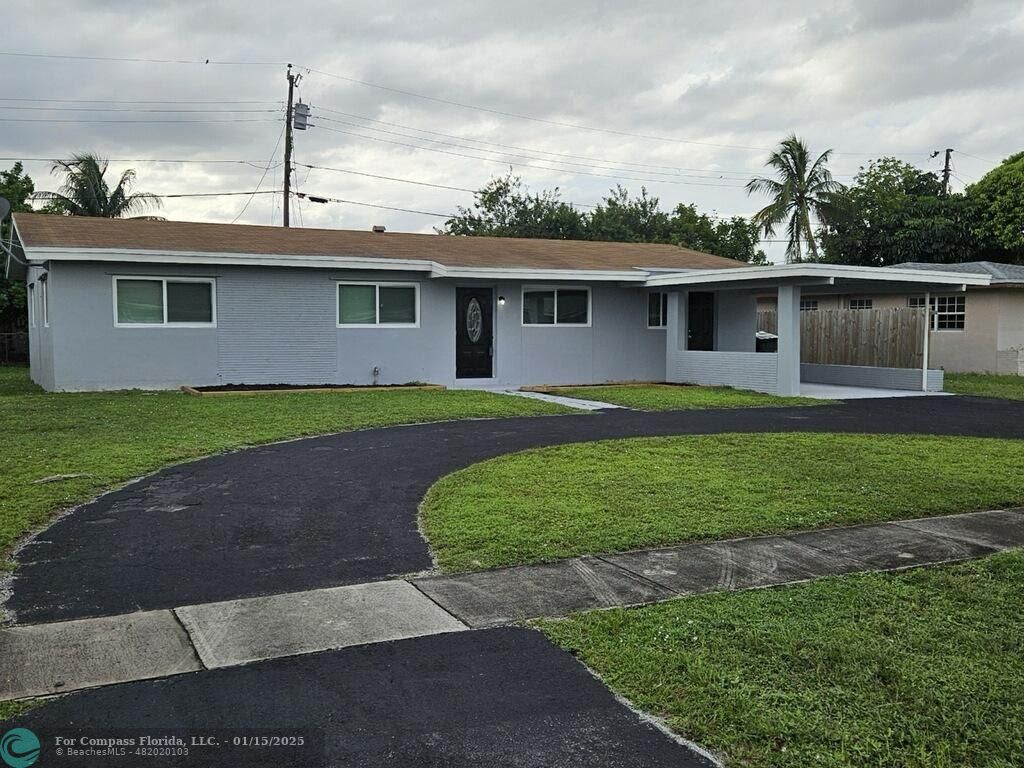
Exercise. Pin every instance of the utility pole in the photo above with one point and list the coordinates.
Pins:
(292, 80)
(946, 172)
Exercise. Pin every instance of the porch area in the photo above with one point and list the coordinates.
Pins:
(712, 329)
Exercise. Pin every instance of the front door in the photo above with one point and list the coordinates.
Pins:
(700, 321)
(474, 333)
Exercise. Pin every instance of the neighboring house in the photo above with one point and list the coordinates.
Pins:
(979, 330)
(158, 304)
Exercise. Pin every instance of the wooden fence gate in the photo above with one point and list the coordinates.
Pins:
(886, 338)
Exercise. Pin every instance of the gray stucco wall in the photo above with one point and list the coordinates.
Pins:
(40, 338)
(743, 370)
(734, 362)
(278, 325)
(735, 321)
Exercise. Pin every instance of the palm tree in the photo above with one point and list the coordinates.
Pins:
(801, 189)
(85, 192)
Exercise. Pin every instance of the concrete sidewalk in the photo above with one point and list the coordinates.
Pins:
(60, 657)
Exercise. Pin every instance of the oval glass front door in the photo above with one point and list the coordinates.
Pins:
(474, 321)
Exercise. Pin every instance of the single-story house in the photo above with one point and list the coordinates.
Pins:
(980, 330)
(158, 304)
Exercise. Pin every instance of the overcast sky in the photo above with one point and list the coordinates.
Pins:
(688, 96)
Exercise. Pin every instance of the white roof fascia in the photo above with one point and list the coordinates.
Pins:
(815, 273)
(243, 259)
(436, 270)
(525, 273)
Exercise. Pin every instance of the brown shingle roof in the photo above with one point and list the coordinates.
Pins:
(47, 231)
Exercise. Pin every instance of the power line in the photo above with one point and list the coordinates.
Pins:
(575, 126)
(975, 157)
(411, 181)
(538, 167)
(216, 195)
(531, 118)
(255, 163)
(132, 109)
(387, 178)
(319, 199)
(512, 146)
(138, 60)
(571, 203)
(427, 97)
(266, 170)
(184, 194)
(260, 165)
(508, 154)
(138, 122)
(141, 101)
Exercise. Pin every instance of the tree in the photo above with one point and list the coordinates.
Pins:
(504, 208)
(999, 201)
(894, 213)
(85, 192)
(734, 238)
(800, 191)
(624, 220)
(16, 187)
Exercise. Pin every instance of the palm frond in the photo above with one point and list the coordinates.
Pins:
(84, 190)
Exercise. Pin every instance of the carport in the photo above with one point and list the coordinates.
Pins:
(712, 324)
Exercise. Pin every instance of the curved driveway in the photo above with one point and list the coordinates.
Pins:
(341, 509)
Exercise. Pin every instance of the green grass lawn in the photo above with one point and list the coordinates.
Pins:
(986, 385)
(108, 438)
(920, 669)
(9, 709)
(625, 494)
(677, 397)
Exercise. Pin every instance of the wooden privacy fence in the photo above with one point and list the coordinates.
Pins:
(887, 338)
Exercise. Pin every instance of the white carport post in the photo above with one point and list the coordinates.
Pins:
(927, 335)
(788, 314)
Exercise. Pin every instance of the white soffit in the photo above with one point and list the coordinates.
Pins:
(816, 274)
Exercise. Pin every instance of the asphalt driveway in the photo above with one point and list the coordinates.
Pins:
(341, 509)
(502, 697)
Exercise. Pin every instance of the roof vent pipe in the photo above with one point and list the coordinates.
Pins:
(379, 228)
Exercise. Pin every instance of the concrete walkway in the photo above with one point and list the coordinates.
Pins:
(568, 402)
(66, 656)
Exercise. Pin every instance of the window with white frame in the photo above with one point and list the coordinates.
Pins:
(32, 305)
(861, 303)
(808, 305)
(363, 305)
(657, 310)
(556, 306)
(146, 302)
(949, 313)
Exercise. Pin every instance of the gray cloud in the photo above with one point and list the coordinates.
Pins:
(863, 77)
